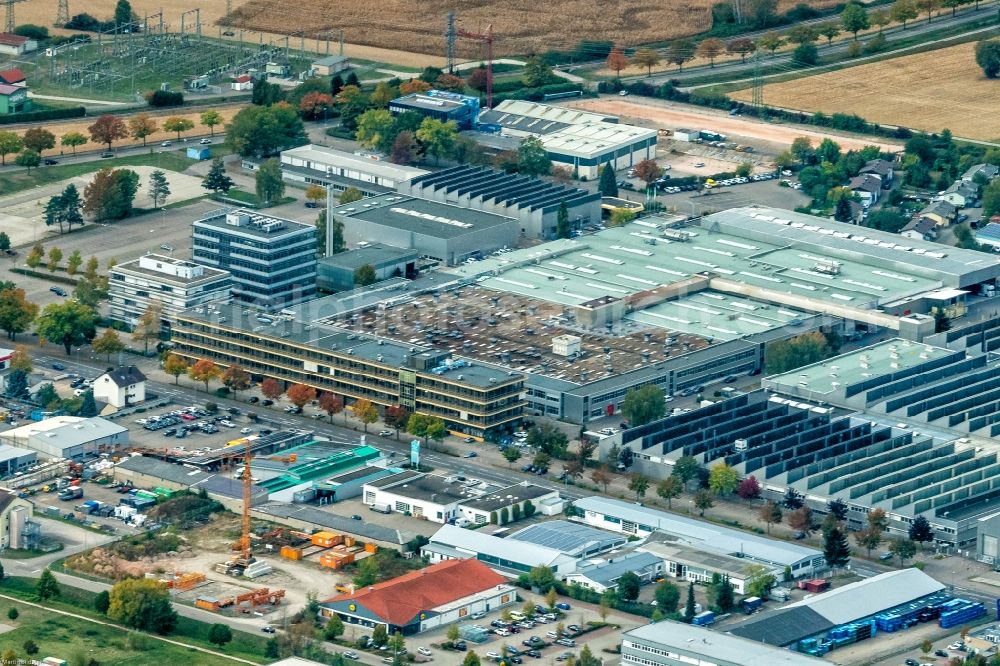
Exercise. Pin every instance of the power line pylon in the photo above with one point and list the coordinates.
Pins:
(485, 38)
(62, 17)
(449, 36)
(758, 82)
(10, 23)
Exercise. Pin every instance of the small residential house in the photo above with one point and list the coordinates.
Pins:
(961, 194)
(881, 168)
(920, 228)
(867, 188)
(942, 212)
(330, 65)
(15, 45)
(603, 575)
(987, 171)
(122, 387)
(13, 99)
(243, 82)
(14, 77)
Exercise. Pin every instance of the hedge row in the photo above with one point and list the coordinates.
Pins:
(47, 114)
(539, 93)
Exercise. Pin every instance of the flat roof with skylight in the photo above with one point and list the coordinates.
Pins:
(421, 216)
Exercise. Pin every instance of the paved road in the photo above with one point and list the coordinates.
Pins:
(914, 28)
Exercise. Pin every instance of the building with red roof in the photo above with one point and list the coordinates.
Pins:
(422, 600)
(11, 44)
(13, 77)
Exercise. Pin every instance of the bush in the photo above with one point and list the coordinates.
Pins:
(875, 44)
(165, 98)
(805, 55)
(44, 114)
(222, 391)
(854, 49)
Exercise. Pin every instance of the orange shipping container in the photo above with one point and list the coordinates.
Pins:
(206, 604)
(371, 548)
(288, 552)
(348, 541)
(326, 539)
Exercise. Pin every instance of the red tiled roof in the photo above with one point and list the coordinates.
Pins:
(11, 39)
(243, 79)
(8, 90)
(401, 599)
(12, 76)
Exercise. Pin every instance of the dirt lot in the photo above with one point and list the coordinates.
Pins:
(657, 113)
(62, 128)
(521, 26)
(885, 92)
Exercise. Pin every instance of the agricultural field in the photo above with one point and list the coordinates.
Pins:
(927, 91)
(520, 26)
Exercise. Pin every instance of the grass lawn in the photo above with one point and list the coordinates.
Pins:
(62, 636)
(250, 198)
(22, 180)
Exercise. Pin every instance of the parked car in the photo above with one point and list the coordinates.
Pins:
(58, 291)
(267, 629)
(470, 454)
(385, 433)
(58, 366)
(253, 400)
(205, 142)
(267, 403)
(168, 248)
(107, 154)
(479, 615)
(166, 143)
(424, 651)
(49, 162)
(562, 605)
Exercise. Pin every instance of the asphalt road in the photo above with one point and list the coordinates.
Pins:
(914, 28)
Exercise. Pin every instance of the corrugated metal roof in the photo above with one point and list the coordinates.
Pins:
(717, 646)
(570, 538)
(785, 627)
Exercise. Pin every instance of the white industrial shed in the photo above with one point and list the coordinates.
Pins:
(70, 437)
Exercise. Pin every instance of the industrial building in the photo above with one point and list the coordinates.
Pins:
(603, 575)
(17, 530)
(691, 564)
(670, 643)
(444, 499)
(70, 437)
(581, 142)
(336, 272)
(311, 518)
(442, 232)
(844, 615)
(570, 538)
(534, 202)
(14, 459)
(338, 170)
(513, 558)
(272, 260)
(423, 600)
(173, 285)
(632, 519)
(463, 110)
(298, 347)
(330, 65)
(144, 471)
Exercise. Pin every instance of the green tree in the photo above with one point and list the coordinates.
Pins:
(744, 169)
(147, 327)
(216, 179)
(123, 14)
(453, 634)
(805, 55)
(142, 604)
(544, 579)
(47, 587)
(102, 601)
(16, 312)
(142, 126)
(621, 216)
(648, 58)
(686, 468)
(759, 580)
(73, 263)
(68, 324)
(836, 550)
(988, 57)
(904, 549)
(471, 659)
(46, 395)
(271, 649)
(269, 185)
(437, 137)
(13, 613)
(689, 607)
(16, 384)
(88, 407)
(638, 484)
(159, 188)
(703, 501)
(772, 41)
(9, 143)
(28, 158)
(219, 634)
(903, 11)
(108, 343)
(842, 212)
(643, 405)
(511, 455)
(607, 186)
(563, 229)
(350, 195)
(73, 140)
(679, 52)
(770, 514)
(374, 126)
(722, 479)
(828, 30)
(4, 241)
(532, 159)
(921, 531)
(724, 598)
(536, 72)
(868, 538)
(258, 131)
(854, 18)
(796, 352)
(667, 597)
(368, 572)
(210, 119)
(802, 34)
(669, 489)
(110, 194)
(628, 586)
(428, 427)
(365, 275)
(178, 125)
